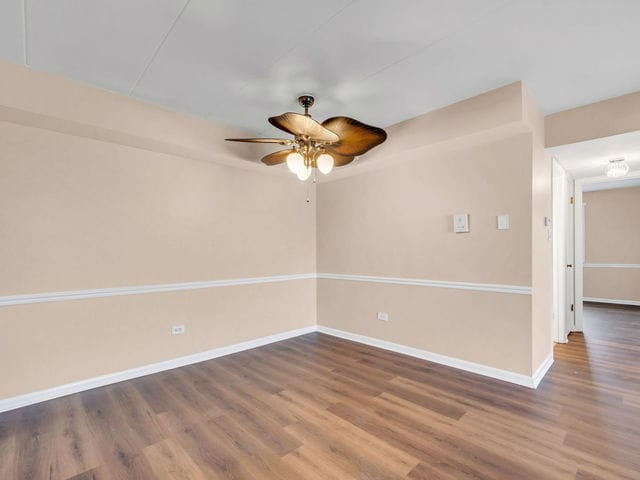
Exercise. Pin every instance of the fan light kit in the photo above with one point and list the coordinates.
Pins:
(333, 143)
(617, 168)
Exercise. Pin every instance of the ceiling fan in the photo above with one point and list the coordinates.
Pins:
(332, 143)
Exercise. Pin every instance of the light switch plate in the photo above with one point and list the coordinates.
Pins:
(461, 223)
(504, 222)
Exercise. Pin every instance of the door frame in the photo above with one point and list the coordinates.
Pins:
(562, 230)
(578, 236)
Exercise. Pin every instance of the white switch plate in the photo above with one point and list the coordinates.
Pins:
(504, 223)
(178, 329)
(383, 316)
(461, 223)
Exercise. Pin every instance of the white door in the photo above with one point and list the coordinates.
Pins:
(570, 263)
(563, 272)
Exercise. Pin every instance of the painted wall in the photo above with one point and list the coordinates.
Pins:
(396, 222)
(99, 191)
(612, 237)
(80, 209)
(541, 240)
(609, 117)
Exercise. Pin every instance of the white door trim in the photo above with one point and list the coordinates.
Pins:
(561, 211)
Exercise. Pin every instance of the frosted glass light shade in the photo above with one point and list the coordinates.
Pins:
(617, 168)
(325, 163)
(304, 173)
(295, 162)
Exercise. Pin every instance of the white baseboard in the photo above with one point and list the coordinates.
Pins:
(108, 379)
(82, 385)
(542, 370)
(612, 300)
(505, 375)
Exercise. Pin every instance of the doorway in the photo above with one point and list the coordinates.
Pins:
(578, 170)
(607, 232)
(563, 251)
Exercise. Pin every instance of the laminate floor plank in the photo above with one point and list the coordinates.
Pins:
(318, 407)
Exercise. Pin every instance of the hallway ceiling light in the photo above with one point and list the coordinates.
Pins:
(617, 168)
(333, 143)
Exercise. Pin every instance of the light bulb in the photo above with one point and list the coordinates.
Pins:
(295, 162)
(304, 173)
(325, 163)
(617, 168)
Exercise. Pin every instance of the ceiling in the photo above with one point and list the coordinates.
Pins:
(589, 159)
(612, 185)
(238, 61)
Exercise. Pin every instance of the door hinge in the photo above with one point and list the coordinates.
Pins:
(572, 307)
(571, 200)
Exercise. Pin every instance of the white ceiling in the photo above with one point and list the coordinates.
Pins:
(589, 159)
(239, 61)
(612, 185)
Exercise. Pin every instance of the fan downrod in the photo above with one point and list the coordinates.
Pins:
(306, 101)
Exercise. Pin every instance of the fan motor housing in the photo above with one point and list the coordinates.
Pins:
(306, 101)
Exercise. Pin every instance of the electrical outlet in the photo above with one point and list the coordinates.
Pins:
(383, 316)
(178, 329)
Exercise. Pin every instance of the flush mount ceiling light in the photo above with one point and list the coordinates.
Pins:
(617, 168)
(333, 143)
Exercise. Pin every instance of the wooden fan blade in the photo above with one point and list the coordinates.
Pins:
(301, 125)
(281, 141)
(341, 160)
(356, 137)
(276, 158)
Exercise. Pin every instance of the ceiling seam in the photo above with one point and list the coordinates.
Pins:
(308, 35)
(435, 42)
(160, 45)
(479, 19)
(25, 50)
(291, 49)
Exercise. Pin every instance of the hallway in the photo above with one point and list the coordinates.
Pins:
(599, 373)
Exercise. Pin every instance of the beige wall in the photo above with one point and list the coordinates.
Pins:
(49, 344)
(79, 213)
(83, 207)
(596, 120)
(99, 190)
(612, 236)
(541, 245)
(492, 329)
(32, 98)
(396, 222)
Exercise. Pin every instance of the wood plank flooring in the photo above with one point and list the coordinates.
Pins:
(317, 407)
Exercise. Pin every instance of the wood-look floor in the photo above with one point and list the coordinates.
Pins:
(317, 407)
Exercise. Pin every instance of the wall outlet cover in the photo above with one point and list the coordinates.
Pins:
(178, 329)
(383, 316)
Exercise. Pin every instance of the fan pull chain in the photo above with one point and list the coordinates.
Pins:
(315, 180)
